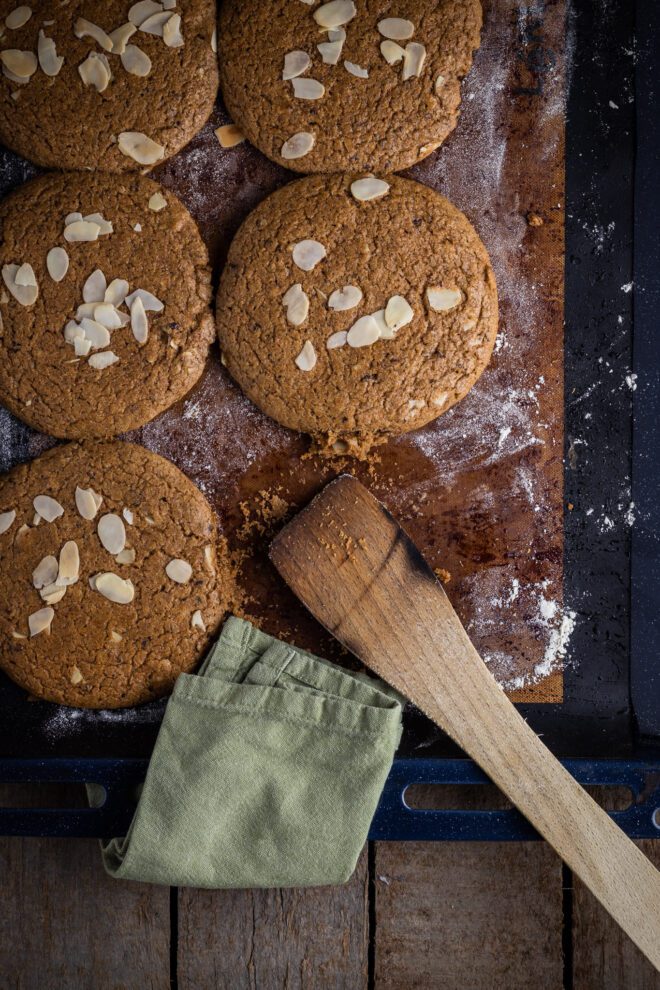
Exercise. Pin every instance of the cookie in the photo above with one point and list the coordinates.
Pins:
(114, 85)
(356, 308)
(346, 86)
(112, 577)
(104, 303)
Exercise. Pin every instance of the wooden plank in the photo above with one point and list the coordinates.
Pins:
(269, 939)
(66, 924)
(603, 957)
(477, 915)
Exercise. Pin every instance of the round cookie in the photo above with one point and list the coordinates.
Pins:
(95, 652)
(136, 83)
(390, 320)
(49, 378)
(330, 117)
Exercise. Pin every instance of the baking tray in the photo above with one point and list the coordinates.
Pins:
(602, 706)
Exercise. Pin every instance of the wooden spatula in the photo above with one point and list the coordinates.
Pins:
(363, 578)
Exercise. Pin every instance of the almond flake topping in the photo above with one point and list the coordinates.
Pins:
(81, 231)
(41, 621)
(155, 24)
(85, 29)
(344, 299)
(197, 621)
(114, 588)
(307, 254)
(364, 332)
(336, 340)
(356, 70)
(57, 263)
(121, 36)
(330, 51)
(295, 63)
(308, 89)
(298, 146)
(396, 28)
(116, 292)
(229, 135)
(369, 188)
(7, 520)
(50, 62)
(398, 314)
(391, 52)
(21, 65)
(157, 202)
(306, 360)
(136, 61)
(102, 361)
(179, 571)
(335, 14)
(297, 303)
(76, 677)
(413, 61)
(21, 282)
(18, 17)
(95, 71)
(172, 35)
(140, 148)
(52, 594)
(88, 502)
(45, 572)
(139, 12)
(47, 508)
(69, 568)
(94, 288)
(126, 556)
(112, 533)
(442, 300)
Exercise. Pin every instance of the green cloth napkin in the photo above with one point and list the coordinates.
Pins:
(267, 771)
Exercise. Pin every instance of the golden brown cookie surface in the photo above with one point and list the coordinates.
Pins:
(381, 99)
(74, 370)
(355, 318)
(145, 72)
(132, 524)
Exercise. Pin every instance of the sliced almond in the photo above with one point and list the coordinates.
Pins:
(121, 36)
(116, 637)
(50, 62)
(139, 12)
(82, 346)
(69, 570)
(214, 41)
(85, 29)
(297, 303)
(442, 300)
(413, 61)
(157, 202)
(396, 28)
(116, 292)
(344, 299)
(306, 360)
(95, 71)
(81, 231)
(45, 572)
(94, 288)
(136, 61)
(307, 254)
(21, 65)
(295, 63)
(439, 83)
(26, 294)
(106, 314)
(25, 276)
(102, 361)
(298, 146)
(105, 225)
(398, 313)
(336, 340)
(197, 621)
(335, 14)
(308, 89)
(52, 594)
(128, 516)
(41, 621)
(209, 559)
(126, 556)
(112, 533)
(172, 35)
(337, 34)
(330, 51)
(140, 148)
(7, 520)
(114, 588)
(57, 263)
(96, 333)
(18, 17)
(88, 502)
(48, 508)
(139, 321)
(229, 135)
(363, 333)
(76, 677)
(391, 52)
(356, 70)
(179, 571)
(155, 24)
(72, 217)
(369, 188)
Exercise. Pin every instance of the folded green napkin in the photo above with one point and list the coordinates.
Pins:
(267, 771)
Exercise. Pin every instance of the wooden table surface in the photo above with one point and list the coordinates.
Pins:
(497, 916)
